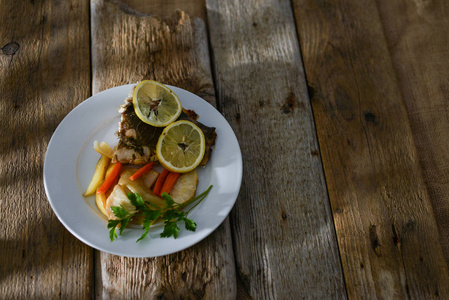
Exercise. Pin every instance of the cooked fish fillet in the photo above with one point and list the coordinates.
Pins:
(137, 140)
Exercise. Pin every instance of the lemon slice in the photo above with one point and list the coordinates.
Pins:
(181, 146)
(155, 104)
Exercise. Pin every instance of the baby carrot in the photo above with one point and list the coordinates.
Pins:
(160, 182)
(115, 173)
(142, 171)
(170, 182)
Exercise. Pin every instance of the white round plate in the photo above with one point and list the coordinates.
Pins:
(70, 161)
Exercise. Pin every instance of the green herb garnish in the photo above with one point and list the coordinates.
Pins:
(171, 215)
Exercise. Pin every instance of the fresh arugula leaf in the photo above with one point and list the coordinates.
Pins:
(119, 211)
(170, 229)
(136, 200)
(190, 225)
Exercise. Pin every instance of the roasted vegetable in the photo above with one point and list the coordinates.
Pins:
(139, 187)
(103, 148)
(100, 201)
(110, 179)
(185, 187)
(99, 175)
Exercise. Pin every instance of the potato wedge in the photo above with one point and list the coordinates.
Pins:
(109, 169)
(100, 201)
(99, 174)
(150, 178)
(104, 149)
(118, 197)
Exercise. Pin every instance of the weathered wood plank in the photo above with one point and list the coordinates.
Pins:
(128, 47)
(285, 244)
(417, 38)
(44, 63)
(386, 230)
(194, 8)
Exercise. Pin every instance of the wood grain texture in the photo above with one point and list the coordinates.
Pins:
(386, 229)
(194, 8)
(416, 33)
(44, 63)
(128, 47)
(285, 245)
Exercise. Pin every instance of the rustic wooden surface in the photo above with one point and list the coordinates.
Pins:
(418, 41)
(383, 217)
(282, 221)
(194, 8)
(44, 63)
(129, 47)
(340, 111)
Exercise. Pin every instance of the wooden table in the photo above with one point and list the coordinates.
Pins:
(341, 111)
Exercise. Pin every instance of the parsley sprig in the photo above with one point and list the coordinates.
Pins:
(171, 215)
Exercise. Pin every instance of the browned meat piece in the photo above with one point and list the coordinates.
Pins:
(138, 140)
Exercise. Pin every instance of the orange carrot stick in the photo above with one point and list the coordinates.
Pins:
(170, 182)
(115, 173)
(142, 171)
(160, 182)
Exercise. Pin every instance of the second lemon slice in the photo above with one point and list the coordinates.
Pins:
(155, 104)
(181, 146)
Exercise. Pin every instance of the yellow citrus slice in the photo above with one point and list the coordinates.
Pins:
(181, 146)
(155, 104)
